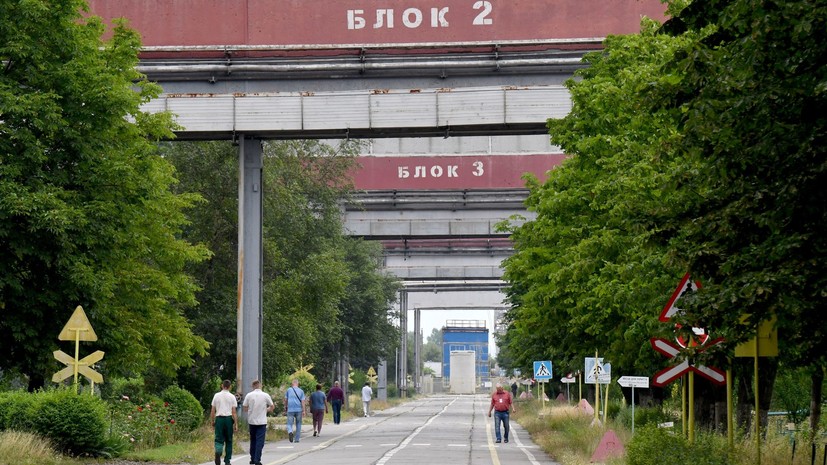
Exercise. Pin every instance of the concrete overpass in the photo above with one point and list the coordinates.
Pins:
(461, 88)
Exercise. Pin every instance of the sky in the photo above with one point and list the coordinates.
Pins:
(437, 318)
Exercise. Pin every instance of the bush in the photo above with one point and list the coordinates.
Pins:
(184, 407)
(16, 411)
(656, 446)
(147, 425)
(131, 388)
(75, 423)
(644, 416)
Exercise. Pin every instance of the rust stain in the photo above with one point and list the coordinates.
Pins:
(380, 91)
(415, 91)
(308, 94)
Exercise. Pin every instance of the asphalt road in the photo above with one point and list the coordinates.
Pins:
(439, 430)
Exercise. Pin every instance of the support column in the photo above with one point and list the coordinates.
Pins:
(403, 347)
(249, 325)
(382, 386)
(417, 380)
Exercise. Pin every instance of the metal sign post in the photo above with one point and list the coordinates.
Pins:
(633, 381)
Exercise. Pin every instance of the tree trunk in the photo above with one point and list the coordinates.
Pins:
(815, 399)
(745, 410)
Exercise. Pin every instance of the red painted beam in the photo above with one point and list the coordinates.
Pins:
(452, 171)
(365, 22)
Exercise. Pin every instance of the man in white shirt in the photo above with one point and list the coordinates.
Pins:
(225, 421)
(367, 395)
(257, 404)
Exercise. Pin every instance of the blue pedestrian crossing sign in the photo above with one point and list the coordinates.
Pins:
(542, 370)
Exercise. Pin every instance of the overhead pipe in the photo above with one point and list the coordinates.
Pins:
(230, 68)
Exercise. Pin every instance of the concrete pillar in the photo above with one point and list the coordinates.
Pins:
(382, 387)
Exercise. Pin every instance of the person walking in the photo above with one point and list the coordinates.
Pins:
(502, 405)
(318, 407)
(225, 421)
(257, 404)
(367, 395)
(294, 405)
(336, 397)
(514, 389)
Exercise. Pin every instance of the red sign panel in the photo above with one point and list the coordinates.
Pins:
(452, 171)
(366, 22)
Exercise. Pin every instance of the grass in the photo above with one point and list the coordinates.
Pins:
(27, 449)
(569, 438)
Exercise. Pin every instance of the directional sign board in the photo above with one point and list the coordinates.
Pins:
(634, 381)
(542, 370)
(568, 379)
(597, 370)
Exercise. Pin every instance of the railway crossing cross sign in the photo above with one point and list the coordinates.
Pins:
(77, 329)
(699, 338)
(667, 375)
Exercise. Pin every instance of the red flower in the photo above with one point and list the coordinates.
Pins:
(172, 421)
(140, 409)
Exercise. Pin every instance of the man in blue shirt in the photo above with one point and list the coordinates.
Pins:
(294, 405)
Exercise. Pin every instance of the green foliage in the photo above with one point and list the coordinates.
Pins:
(75, 423)
(184, 408)
(146, 425)
(16, 409)
(307, 382)
(133, 389)
(792, 394)
(644, 416)
(588, 272)
(86, 212)
(655, 446)
(324, 293)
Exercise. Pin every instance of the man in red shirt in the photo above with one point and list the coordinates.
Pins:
(501, 405)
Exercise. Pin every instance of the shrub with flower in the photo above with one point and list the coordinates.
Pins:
(146, 425)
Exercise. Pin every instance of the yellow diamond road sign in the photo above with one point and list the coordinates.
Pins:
(78, 328)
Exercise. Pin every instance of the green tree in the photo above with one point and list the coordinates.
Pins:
(86, 212)
(588, 274)
(432, 349)
(752, 215)
(323, 291)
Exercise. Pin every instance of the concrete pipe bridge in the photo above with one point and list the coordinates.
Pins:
(452, 97)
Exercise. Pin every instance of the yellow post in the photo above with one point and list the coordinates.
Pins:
(691, 426)
(77, 357)
(606, 402)
(730, 431)
(683, 405)
(757, 406)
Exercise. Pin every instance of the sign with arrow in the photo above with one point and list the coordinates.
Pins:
(634, 381)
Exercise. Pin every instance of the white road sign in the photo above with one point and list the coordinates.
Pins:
(634, 381)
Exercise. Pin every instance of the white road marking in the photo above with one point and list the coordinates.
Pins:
(407, 440)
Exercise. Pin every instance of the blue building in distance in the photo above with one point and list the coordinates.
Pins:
(466, 335)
